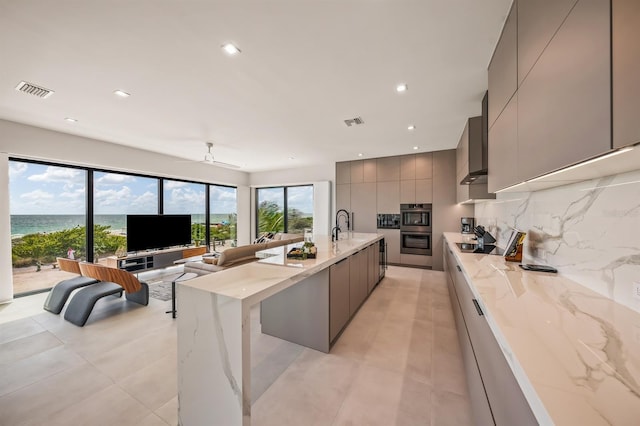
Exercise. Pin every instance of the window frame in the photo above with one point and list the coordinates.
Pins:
(285, 204)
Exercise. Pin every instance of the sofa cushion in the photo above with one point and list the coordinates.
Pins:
(240, 254)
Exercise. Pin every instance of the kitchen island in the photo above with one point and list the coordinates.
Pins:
(214, 363)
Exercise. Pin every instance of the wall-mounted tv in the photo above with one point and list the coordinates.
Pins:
(145, 232)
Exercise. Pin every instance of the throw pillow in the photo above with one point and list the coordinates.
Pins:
(210, 260)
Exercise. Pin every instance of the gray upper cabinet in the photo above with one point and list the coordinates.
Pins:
(424, 191)
(388, 168)
(564, 103)
(357, 171)
(503, 69)
(407, 191)
(363, 206)
(343, 172)
(369, 171)
(388, 197)
(408, 167)
(343, 196)
(538, 20)
(503, 149)
(424, 165)
(626, 69)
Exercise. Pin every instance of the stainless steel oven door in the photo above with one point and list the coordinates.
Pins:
(415, 217)
(415, 243)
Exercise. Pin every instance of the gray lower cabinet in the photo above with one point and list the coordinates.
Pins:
(373, 266)
(357, 280)
(496, 396)
(338, 297)
(626, 68)
(564, 108)
(477, 395)
(392, 238)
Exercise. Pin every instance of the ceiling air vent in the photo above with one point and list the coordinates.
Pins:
(32, 89)
(352, 121)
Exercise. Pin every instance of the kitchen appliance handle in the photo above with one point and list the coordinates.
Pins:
(478, 308)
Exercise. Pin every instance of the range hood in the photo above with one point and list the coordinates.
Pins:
(478, 147)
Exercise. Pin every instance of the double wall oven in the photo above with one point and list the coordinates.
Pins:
(415, 229)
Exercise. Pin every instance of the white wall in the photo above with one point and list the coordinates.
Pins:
(6, 275)
(28, 142)
(298, 176)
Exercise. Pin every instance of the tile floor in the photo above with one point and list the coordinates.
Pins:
(397, 363)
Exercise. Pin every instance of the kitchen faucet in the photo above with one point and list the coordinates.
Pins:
(334, 237)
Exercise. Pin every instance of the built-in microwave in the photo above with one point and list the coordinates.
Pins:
(415, 217)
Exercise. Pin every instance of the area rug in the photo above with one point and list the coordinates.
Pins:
(160, 290)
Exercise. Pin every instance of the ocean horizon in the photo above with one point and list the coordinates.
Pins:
(43, 223)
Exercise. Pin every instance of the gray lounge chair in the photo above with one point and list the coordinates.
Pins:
(60, 292)
(112, 281)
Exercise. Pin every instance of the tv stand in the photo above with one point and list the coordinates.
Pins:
(145, 261)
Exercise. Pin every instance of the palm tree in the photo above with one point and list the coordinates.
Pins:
(270, 217)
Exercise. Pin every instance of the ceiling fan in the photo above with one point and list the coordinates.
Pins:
(209, 159)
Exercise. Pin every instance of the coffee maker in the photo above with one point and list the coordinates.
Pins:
(468, 223)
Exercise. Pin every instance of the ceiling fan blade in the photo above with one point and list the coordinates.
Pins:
(221, 164)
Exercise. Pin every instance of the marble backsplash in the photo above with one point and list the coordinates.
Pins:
(589, 231)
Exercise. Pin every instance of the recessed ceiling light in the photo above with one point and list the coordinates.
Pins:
(292, 158)
(121, 93)
(230, 49)
(411, 127)
(360, 154)
(71, 120)
(415, 148)
(402, 88)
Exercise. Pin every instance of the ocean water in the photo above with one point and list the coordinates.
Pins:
(33, 224)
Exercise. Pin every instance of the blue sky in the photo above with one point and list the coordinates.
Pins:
(41, 189)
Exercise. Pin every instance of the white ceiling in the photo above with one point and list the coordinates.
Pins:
(305, 66)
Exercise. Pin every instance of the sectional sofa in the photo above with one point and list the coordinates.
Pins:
(236, 256)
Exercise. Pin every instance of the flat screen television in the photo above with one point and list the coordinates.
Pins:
(152, 231)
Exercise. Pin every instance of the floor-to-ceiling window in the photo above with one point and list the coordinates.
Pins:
(284, 209)
(270, 202)
(299, 208)
(187, 198)
(51, 206)
(115, 195)
(48, 220)
(223, 216)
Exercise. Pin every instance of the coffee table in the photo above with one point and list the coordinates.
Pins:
(185, 276)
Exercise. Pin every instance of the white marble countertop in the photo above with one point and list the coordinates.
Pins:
(575, 353)
(254, 282)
